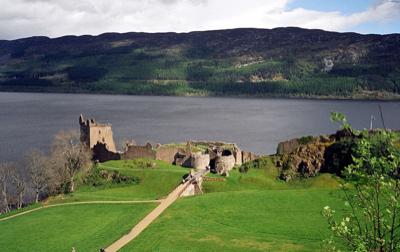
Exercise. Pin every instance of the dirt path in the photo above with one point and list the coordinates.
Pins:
(80, 203)
(148, 219)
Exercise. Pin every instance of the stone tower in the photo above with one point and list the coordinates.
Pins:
(93, 133)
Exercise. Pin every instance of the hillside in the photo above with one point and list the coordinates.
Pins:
(289, 62)
(242, 212)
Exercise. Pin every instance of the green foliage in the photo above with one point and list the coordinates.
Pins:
(263, 175)
(259, 163)
(138, 180)
(340, 119)
(306, 140)
(98, 177)
(372, 193)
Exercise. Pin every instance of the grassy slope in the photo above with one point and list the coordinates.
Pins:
(154, 183)
(247, 212)
(87, 227)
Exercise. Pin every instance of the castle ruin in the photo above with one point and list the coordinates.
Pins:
(220, 157)
(93, 132)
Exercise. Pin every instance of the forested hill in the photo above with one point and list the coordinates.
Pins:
(289, 62)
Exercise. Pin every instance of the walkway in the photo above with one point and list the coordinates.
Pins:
(171, 198)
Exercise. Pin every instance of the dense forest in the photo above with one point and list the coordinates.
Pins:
(281, 62)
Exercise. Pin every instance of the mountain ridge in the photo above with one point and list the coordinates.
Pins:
(288, 61)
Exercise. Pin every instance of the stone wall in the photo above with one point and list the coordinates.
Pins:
(135, 152)
(199, 160)
(224, 164)
(102, 154)
(169, 154)
(248, 156)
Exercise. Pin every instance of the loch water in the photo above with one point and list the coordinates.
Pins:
(30, 120)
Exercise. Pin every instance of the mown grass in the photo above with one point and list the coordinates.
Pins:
(21, 210)
(154, 182)
(250, 211)
(88, 227)
(270, 220)
(85, 227)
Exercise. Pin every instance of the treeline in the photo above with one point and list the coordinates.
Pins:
(312, 87)
(39, 176)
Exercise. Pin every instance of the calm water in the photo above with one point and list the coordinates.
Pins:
(30, 120)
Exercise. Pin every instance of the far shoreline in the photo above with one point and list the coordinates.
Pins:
(391, 98)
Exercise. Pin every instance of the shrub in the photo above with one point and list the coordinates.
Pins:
(97, 177)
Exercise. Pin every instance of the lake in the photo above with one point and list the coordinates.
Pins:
(30, 120)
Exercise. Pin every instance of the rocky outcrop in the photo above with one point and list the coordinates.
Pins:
(306, 157)
(287, 147)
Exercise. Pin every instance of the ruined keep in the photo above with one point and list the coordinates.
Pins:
(220, 157)
(93, 133)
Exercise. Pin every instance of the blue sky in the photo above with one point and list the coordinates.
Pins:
(53, 18)
(348, 7)
(344, 6)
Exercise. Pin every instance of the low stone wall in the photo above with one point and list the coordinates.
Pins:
(168, 154)
(135, 152)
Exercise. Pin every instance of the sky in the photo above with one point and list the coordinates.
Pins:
(54, 18)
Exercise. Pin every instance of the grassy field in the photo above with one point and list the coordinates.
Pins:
(88, 227)
(155, 182)
(246, 212)
(85, 227)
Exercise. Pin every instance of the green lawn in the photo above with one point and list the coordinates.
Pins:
(92, 226)
(155, 182)
(86, 227)
(272, 220)
(246, 212)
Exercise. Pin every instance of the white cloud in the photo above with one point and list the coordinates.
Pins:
(22, 18)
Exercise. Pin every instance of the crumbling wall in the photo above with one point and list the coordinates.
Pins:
(168, 154)
(135, 152)
(224, 164)
(248, 156)
(102, 154)
(93, 133)
(237, 153)
(199, 160)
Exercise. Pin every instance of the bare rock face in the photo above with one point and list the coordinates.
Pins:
(199, 160)
(287, 147)
(306, 157)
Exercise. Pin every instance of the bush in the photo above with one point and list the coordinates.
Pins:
(306, 139)
(97, 177)
(259, 163)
